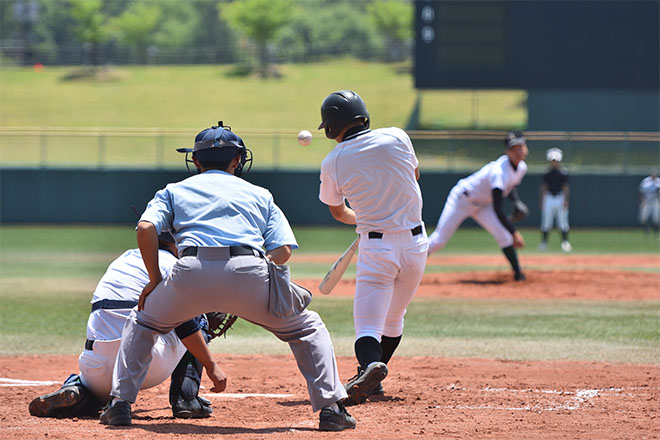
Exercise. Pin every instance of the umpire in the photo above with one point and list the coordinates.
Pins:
(220, 223)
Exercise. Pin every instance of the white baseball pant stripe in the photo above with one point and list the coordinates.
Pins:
(96, 365)
(238, 285)
(389, 271)
(554, 210)
(459, 208)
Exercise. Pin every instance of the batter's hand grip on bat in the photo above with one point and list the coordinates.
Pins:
(337, 270)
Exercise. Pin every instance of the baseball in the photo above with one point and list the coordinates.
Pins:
(304, 138)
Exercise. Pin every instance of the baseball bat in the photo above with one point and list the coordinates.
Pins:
(338, 268)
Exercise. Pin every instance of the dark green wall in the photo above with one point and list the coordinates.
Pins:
(93, 196)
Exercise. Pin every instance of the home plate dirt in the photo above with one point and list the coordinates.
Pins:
(425, 397)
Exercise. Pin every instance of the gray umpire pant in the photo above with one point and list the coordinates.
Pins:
(214, 281)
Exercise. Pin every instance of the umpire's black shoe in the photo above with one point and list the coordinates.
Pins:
(117, 415)
(331, 420)
(58, 403)
(364, 383)
(197, 408)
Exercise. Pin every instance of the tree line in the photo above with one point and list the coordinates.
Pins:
(255, 33)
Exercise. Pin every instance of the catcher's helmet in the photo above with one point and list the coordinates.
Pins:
(218, 144)
(340, 108)
(514, 138)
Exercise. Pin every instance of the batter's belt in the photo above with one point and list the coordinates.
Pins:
(415, 231)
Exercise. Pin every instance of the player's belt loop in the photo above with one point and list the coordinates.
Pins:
(416, 230)
(89, 344)
(374, 234)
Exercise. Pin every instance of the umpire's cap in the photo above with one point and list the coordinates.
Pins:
(514, 138)
(215, 144)
(340, 108)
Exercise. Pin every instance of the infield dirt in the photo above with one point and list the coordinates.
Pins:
(438, 398)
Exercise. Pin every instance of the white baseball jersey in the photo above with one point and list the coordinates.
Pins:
(473, 197)
(123, 281)
(375, 172)
(650, 205)
(649, 187)
(497, 174)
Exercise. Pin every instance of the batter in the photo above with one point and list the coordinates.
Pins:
(480, 197)
(554, 200)
(376, 172)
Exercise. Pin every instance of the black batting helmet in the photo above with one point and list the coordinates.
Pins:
(219, 144)
(340, 108)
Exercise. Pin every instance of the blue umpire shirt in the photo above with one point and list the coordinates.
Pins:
(216, 208)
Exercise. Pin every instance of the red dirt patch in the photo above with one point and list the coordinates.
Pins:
(424, 397)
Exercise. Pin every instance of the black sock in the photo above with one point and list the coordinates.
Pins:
(564, 235)
(510, 254)
(545, 237)
(388, 346)
(368, 350)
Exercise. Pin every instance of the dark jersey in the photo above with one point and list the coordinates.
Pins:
(555, 180)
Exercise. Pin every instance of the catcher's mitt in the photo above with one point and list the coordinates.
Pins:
(219, 323)
(519, 212)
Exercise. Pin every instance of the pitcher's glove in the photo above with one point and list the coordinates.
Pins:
(219, 323)
(519, 212)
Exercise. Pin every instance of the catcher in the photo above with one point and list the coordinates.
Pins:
(116, 294)
(480, 196)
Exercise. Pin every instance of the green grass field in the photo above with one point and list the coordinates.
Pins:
(47, 275)
(192, 97)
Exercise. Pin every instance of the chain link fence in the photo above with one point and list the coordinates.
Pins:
(154, 148)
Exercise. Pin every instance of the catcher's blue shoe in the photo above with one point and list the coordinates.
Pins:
(58, 403)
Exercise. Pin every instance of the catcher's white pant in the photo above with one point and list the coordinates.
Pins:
(649, 208)
(389, 270)
(96, 365)
(237, 285)
(457, 209)
(554, 210)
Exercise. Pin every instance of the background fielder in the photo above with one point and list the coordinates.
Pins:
(553, 199)
(376, 171)
(649, 202)
(480, 196)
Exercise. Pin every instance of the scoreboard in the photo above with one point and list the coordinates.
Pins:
(544, 44)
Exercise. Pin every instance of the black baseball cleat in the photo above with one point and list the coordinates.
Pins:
(519, 276)
(378, 391)
(197, 408)
(331, 420)
(57, 403)
(117, 415)
(364, 383)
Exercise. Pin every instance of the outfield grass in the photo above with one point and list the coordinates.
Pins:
(47, 275)
(191, 97)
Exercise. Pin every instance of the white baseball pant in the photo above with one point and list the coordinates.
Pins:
(554, 210)
(649, 208)
(457, 209)
(96, 365)
(389, 271)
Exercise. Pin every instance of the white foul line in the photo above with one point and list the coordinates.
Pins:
(7, 382)
(245, 395)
